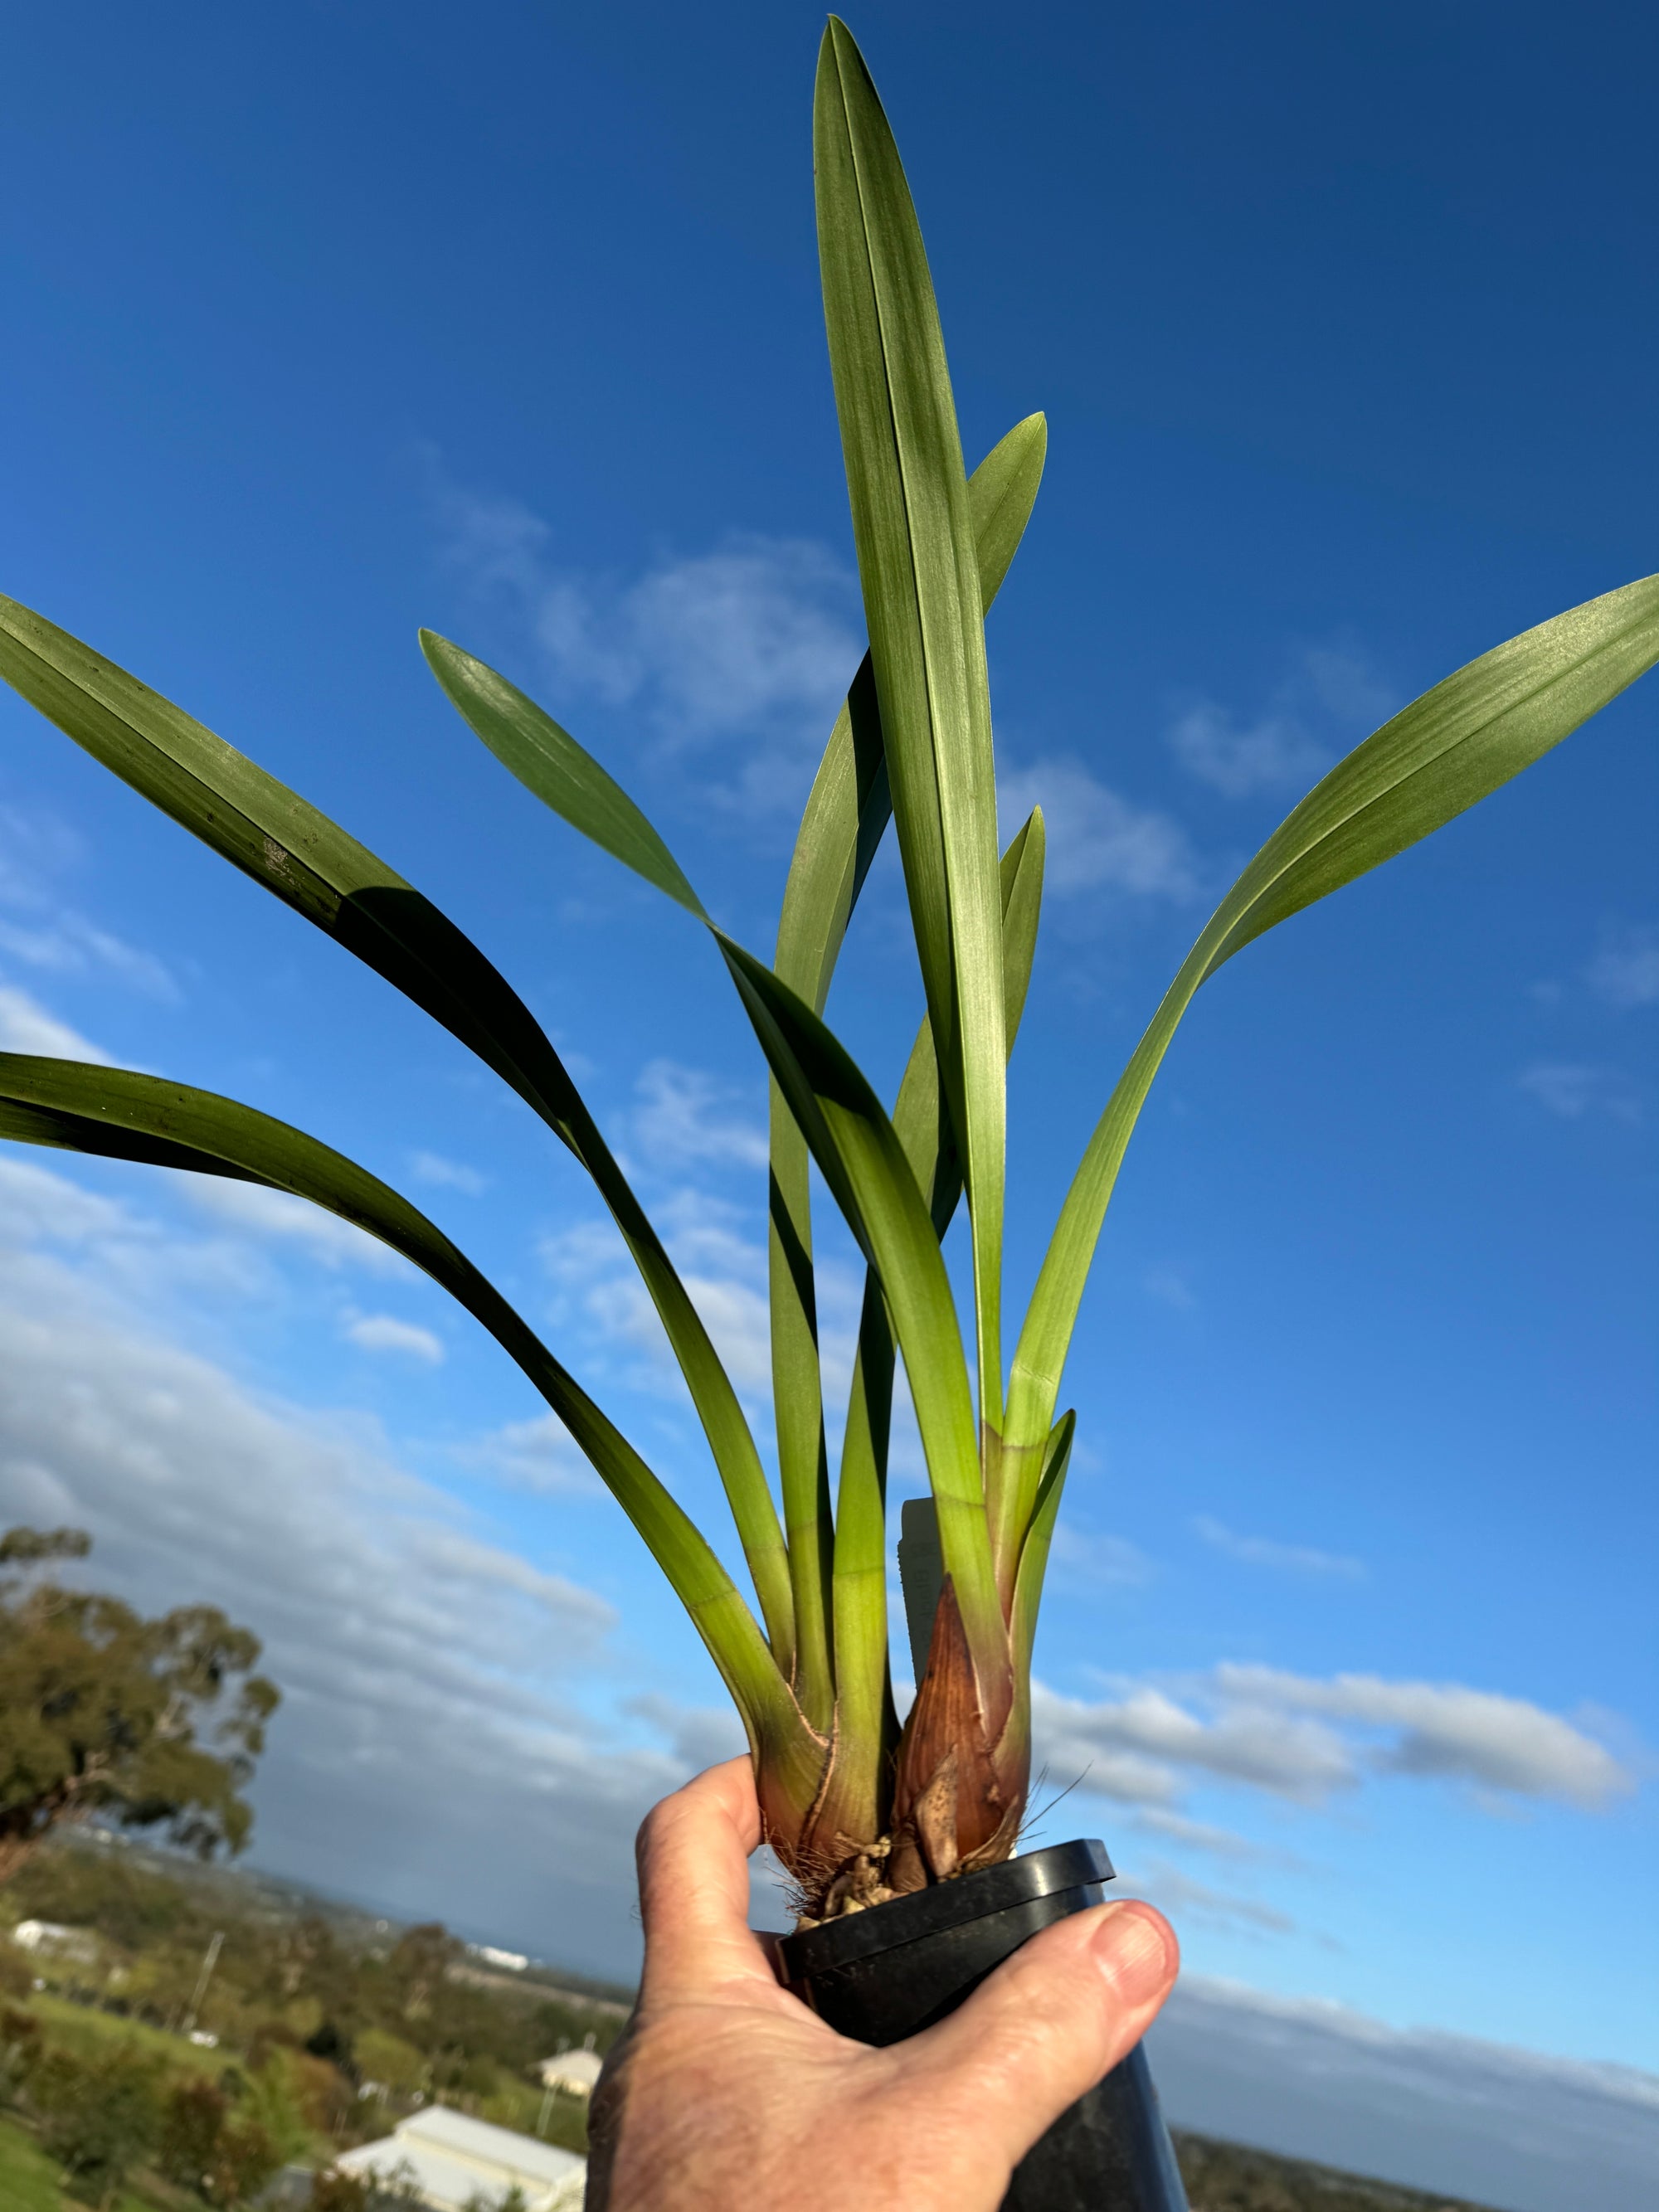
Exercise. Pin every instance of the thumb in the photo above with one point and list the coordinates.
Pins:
(1047, 2024)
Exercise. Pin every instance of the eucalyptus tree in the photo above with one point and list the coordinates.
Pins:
(859, 1806)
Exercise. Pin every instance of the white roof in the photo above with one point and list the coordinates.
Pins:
(53, 1935)
(575, 2066)
(452, 2158)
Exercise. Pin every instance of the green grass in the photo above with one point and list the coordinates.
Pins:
(29, 2180)
(85, 2031)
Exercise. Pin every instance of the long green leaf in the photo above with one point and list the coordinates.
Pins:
(1449, 748)
(860, 1158)
(115, 1113)
(311, 864)
(859, 1582)
(1054, 1460)
(547, 760)
(847, 813)
(850, 803)
(926, 1134)
(913, 529)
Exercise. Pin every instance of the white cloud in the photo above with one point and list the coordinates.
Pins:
(1170, 1287)
(684, 1117)
(1093, 1562)
(1331, 697)
(36, 1204)
(404, 1339)
(443, 1740)
(1572, 1090)
(275, 1214)
(27, 1026)
(35, 850)
(1142, 1747)
(71, 945)
(1625, 972)
(1303, 1738)
(1271, 754)
(540, 1456)
(1202, 1835)
(757, 640)
(1097, 840)
(447, 1175)
(1288, 1558)
(725, 1274)
(1184, 1898)
(1443, 1729)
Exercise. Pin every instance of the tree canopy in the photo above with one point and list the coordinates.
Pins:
(149, 1723)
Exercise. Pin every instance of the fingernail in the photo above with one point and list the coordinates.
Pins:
(1134, 1949)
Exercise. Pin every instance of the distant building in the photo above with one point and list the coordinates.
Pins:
(78, 1944)
(575, 2072)
(453, 2161)
(514, 1962)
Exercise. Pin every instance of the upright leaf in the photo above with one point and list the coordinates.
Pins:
(913, 529)
(859, 1582)
(846, 812)
(860, 1158)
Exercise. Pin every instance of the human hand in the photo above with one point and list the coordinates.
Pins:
(725, 2090)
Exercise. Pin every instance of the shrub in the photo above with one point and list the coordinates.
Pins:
(192, 2121)
(19, 2048)
(336, 2191)
(100, 2115)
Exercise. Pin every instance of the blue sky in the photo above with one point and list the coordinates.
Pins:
(327, 323)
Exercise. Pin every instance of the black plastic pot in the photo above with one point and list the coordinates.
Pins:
(884, 1974)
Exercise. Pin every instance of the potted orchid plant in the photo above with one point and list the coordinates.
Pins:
(868, 1812)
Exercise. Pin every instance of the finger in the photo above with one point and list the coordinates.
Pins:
(693, 1888)
(1048, 2023)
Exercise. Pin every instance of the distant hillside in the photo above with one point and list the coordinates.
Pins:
(1224, 2177)
(339, 1983)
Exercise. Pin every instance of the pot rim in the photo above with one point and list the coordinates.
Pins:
(943, 1905)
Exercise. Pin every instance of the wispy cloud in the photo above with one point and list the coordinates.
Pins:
(1098, 841)
(1170, 1287)
(685, 1116)
(1088, 1561)
(71, 945)
(435, 1682)
(1283, 1559)
(752, 642)
(1447, 1729)
(538, 1456)
(262, 1214)
(1304, 1737)
(1240, 759)
(28, 1026)
(1626, 971)
(41, 931)
(432, 1168)
(1204, 1835)
(1185, 1898)
(405, 1340)
(1571, 1090)
(1331, 697)
(724, 1269)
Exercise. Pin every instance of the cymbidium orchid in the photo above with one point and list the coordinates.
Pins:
(858, 1806)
